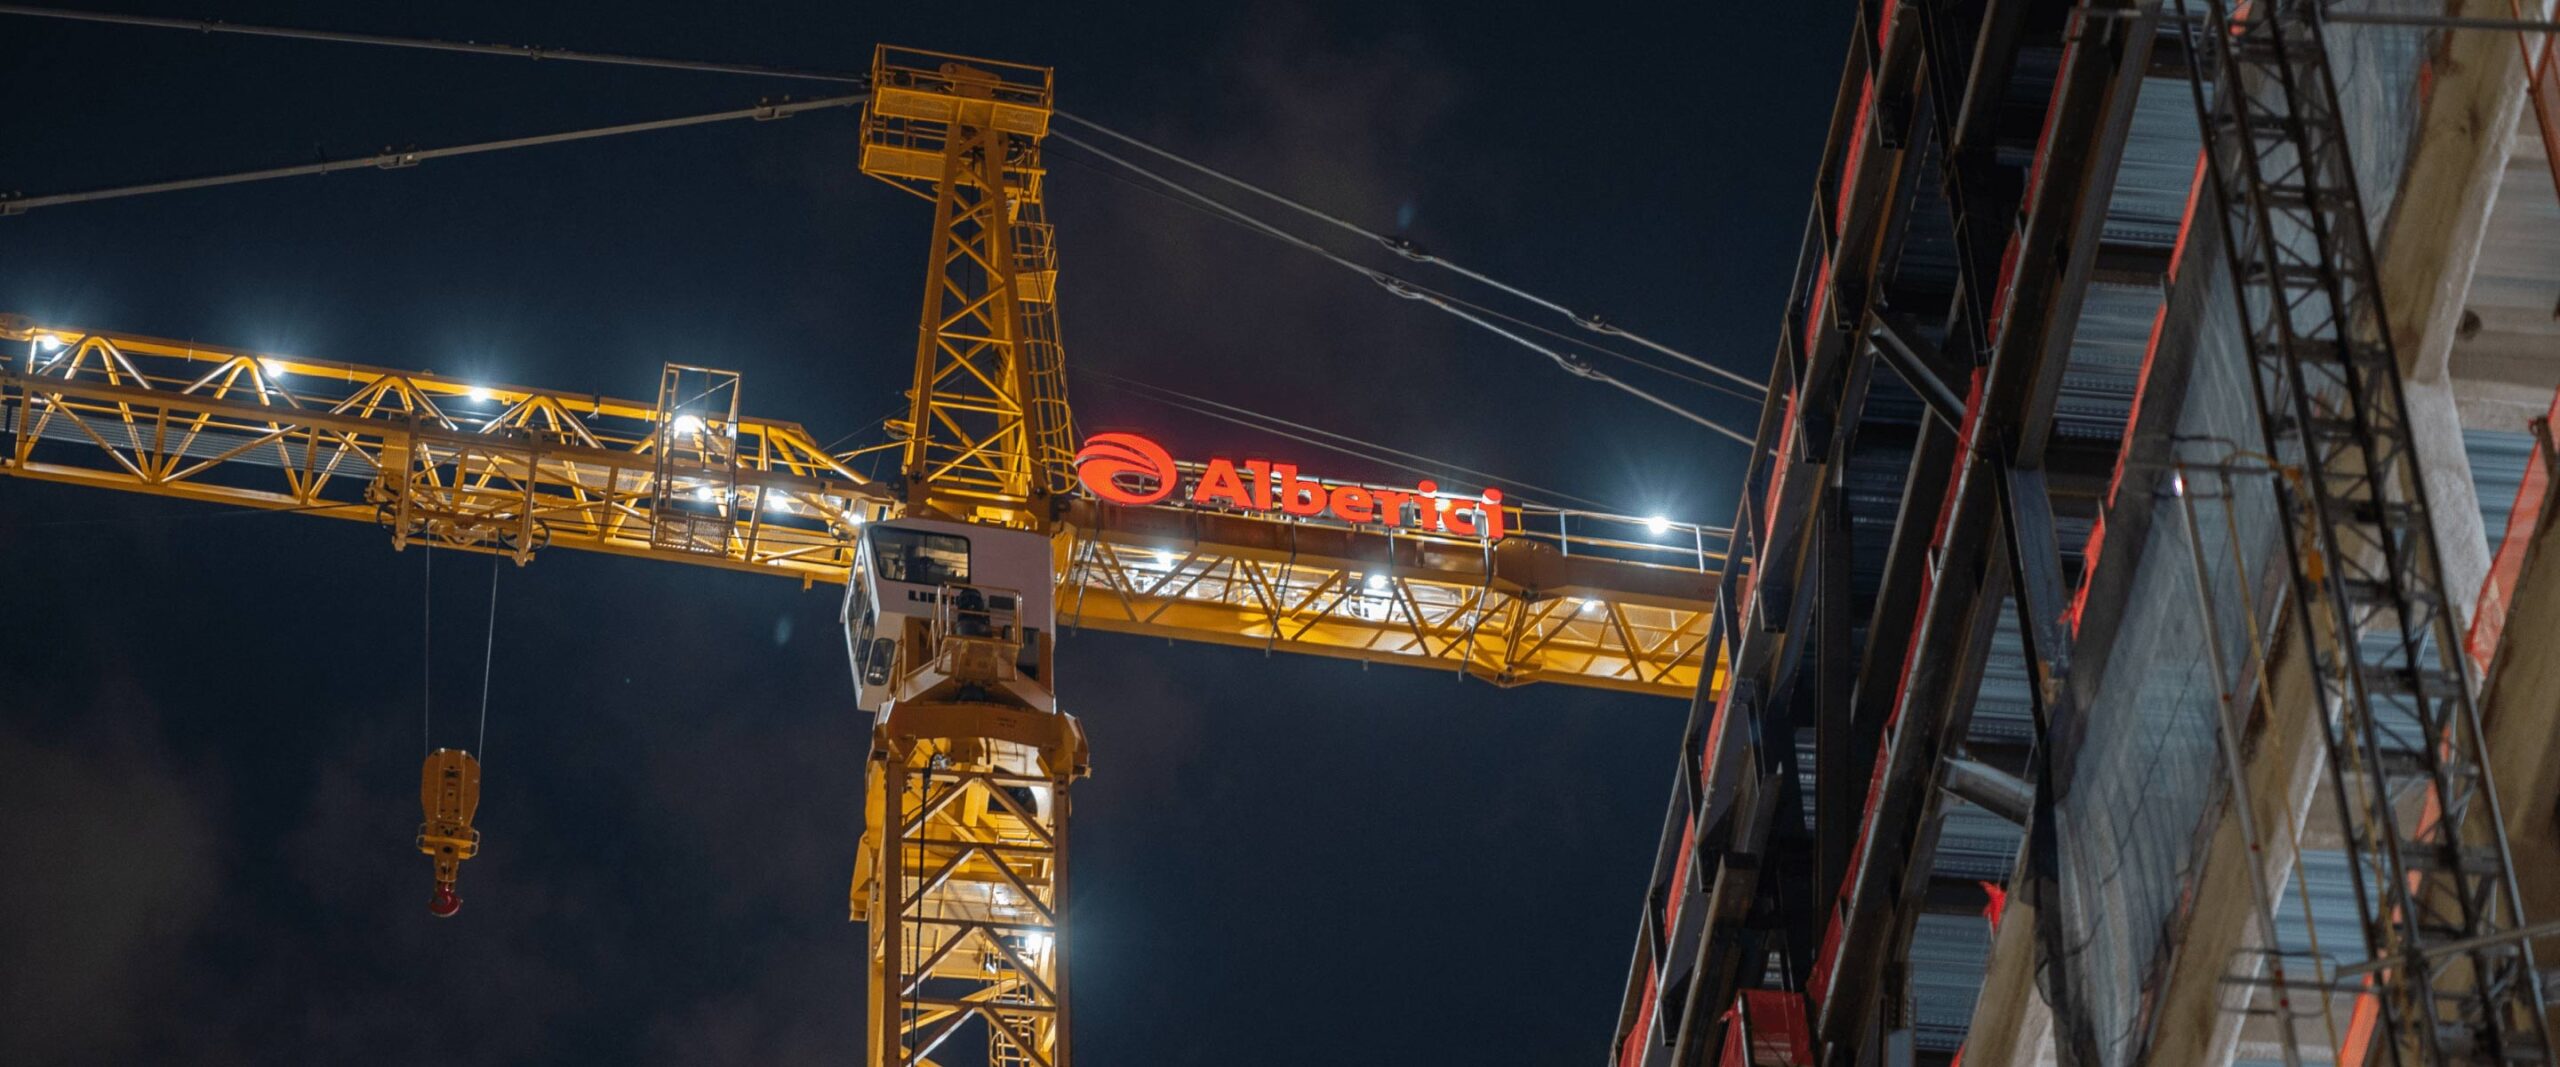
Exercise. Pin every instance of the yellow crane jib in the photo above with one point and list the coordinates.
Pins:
(449, 790)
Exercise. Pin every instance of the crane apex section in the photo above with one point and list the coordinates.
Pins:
(918, 98)
(989, 437)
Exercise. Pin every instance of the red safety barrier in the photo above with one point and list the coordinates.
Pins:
(2542, 81)
(1679, 879)
(2097, 543)
(1857, 149)
(2498, 590)
(1778, 475)
(1631, 1051)
(1766, 1028)
(1815, 315)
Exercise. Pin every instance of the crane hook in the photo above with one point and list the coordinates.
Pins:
(449, 790)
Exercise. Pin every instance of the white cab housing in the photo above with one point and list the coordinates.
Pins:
(938, 608)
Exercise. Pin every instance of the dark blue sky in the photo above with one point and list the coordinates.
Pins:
(210, 727)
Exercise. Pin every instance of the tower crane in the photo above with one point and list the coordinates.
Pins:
(959, 571)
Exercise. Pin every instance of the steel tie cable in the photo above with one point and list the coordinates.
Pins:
(394, 160)
(1583, 369)
(489, 658)
(1580, 343)
(510, 51)
(1404, 248)
(1411, 291)
(1454, 306)
(1178, 399)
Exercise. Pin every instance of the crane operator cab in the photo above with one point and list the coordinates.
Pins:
(950, 611)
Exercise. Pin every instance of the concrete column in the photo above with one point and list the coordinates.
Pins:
(2429, 250)
(2521, 703)
(2453, 499)
(2197, 1020)
(2432, 240)
(2012, 1027)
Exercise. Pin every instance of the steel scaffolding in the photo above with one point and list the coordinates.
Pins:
(2452, 978)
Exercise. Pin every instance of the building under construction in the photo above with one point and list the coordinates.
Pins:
(2146, 580)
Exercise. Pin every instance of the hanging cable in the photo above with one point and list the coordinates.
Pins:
(512, 51)
(427, 655)
(1405, 248)
(395, 160)
(488, 659)
(1572, 364)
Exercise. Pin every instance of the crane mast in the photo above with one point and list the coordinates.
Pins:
(962, 867)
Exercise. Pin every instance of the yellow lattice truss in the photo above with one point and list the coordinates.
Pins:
(1520, 612)
(987, 432)
(960, 877)
(511, 469)
(455, 463)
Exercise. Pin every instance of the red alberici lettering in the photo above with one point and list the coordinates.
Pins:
(1131, 470)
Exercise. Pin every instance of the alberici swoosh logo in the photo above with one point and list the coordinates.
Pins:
(1114, 466)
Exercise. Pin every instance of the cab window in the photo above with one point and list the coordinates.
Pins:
(918, 557)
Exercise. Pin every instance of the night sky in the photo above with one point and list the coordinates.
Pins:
(210, 722)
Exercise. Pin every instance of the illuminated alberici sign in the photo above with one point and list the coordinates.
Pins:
(1128, 469)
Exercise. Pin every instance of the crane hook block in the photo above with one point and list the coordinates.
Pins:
(449, 790)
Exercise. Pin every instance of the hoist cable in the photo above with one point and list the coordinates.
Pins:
(395, 160)
(429, 44)
(427, 655)
(1422, 465)
(1407, 249)
(488, 659)
(1572, 364)
(1577, 342)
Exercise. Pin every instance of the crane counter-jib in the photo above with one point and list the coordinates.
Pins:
(509, 469)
